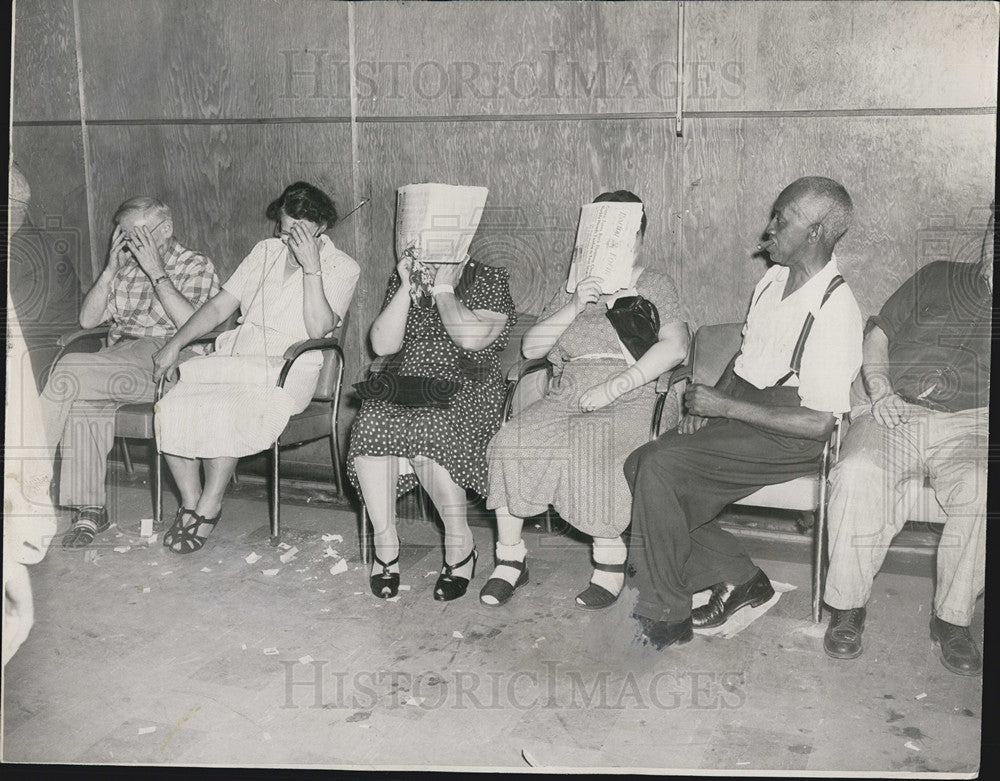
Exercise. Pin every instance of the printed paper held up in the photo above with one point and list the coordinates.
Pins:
(436, 222)
(604, 244)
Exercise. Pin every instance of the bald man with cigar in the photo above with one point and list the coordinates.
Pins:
(763, 423)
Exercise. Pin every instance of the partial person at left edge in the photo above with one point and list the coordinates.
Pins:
(148, 289)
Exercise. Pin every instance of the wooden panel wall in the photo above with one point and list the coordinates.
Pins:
(214, 105)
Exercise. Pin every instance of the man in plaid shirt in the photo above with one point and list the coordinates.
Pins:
(149, 288)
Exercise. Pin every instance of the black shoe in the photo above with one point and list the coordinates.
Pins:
(596, 597)
(501, 590)
(843, 636)
(385, 585)
(448, 586)
(89, 522)
(661, 634)
(958, 650)
(755, 592)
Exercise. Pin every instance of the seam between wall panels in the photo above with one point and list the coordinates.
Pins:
(85, 142)
(355, 161)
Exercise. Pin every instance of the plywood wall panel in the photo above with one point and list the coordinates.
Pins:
(210, 59)
(906, 213)
(477, 59)
(45, 75)
(538, 173)
(51, 159)
(774, 56)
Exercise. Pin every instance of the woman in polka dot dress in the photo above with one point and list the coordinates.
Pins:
(445, 321)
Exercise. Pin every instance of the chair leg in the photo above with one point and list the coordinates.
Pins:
(338, 474)
(275, 494)
(157, 489)
(126, 457)
(364, 537)
(819, 557)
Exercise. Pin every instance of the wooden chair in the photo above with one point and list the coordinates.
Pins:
(510, 359)
(712, 348)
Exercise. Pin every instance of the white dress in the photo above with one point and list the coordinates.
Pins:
(227, 403)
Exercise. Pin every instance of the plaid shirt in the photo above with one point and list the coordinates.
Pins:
(133, 306)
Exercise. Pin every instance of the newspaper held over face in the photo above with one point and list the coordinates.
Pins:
(435, 222)
(605, 244)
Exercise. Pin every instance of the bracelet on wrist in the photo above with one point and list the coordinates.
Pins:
(159, 279)
(317, 273)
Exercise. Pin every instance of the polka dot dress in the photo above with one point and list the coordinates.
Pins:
(455, 438)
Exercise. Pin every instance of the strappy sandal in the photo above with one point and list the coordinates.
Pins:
(449, 586)
(596, 597)
(90, 521)
(500, 589)
(385, 585)
(187, 540)
(170, 535)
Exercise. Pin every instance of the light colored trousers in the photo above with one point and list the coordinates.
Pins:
(78, 412)
(874, 488)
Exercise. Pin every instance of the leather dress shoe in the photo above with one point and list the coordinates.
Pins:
(755, 592)
(843, 636)
(958, 650)
(661, 634)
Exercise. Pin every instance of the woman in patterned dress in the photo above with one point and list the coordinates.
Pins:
(294, 286)
(567, 449)
(450, 322)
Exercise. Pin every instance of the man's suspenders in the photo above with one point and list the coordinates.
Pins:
(800, 344)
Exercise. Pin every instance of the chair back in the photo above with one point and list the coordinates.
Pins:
(332, 372)
(713, 348)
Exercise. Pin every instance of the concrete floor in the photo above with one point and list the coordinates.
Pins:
(143, 656)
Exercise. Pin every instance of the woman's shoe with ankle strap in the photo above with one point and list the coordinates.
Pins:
(501, 590)
(449, 586)
(596, 597)
(385, 585)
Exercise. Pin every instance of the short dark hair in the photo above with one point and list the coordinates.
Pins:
(303, 201)
(625, 196)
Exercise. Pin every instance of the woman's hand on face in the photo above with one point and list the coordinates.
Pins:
(450, 273)
(588, 291)
(304, 247)
(165, 361)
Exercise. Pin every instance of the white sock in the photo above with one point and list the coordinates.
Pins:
(509, 553)
(609, 551)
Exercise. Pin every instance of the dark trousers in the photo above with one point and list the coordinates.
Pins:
(680, 483)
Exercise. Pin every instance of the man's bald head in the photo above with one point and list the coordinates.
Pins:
(824, 201)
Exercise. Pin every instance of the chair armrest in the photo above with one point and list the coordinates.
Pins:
(527, 366)
(66, 340)
(305, 346)
(515, 374)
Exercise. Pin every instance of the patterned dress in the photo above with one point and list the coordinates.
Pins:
(552, 453)
(456, 437)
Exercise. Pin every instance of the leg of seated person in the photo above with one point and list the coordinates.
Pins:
(377, 477)
(510, 549)
(87, 440)
(957, 463)
(680, 483)
(450, 500)
(218, 473)
(868, 505)
(187, 475)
